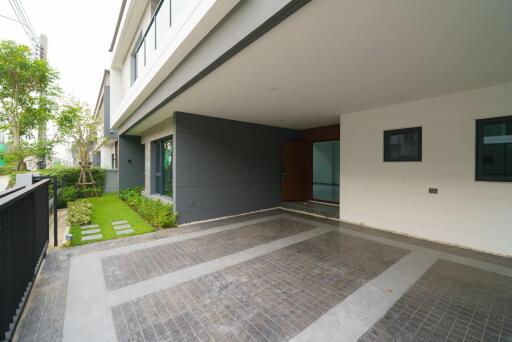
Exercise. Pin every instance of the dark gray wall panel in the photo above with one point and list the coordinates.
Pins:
(107, 132)
(226, 167)
(131, 162)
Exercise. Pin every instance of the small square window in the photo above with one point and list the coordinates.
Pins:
(402, 144)
(494, 149)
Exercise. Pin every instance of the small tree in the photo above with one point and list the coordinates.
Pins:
(75, 121)
(28, 94)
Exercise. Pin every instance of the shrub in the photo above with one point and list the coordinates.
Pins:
(5, 170)
(155, 212)
(79, 212)
(66, 180)
(66, 176)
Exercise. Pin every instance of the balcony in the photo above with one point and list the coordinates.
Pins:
(154, 36)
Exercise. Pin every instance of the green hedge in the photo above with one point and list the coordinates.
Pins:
(159, 214)
(79, 212)
(67, 177)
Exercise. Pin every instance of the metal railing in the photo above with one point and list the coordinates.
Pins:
(24, 232)
(160, 23)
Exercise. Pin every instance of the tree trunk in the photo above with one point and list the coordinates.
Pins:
(21, 166)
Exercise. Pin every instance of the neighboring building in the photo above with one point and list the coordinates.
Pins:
(226, 107)
(105, 150)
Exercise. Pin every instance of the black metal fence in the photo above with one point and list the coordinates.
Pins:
(24, 230)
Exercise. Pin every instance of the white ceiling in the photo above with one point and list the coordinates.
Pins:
(341, 56)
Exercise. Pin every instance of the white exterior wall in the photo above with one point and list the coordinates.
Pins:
(156, 132)
(106, 151)
(394, 195)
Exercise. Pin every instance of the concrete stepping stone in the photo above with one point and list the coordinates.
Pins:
(90, 231)
(123, 226)
(92, 237)
(88, 226)
(125, 231)
(116, 223)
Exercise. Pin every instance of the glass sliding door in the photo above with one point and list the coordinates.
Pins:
(162, 163)
(326, 171)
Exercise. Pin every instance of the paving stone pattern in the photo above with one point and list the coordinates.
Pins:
(269, 298)
(126, 269)
(450, 302)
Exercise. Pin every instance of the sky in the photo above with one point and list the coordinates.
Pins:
(79, 34)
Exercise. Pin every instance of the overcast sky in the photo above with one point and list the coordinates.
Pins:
(79, 34)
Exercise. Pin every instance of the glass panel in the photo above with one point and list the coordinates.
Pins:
(150, 44)
(163, 22)
(403, 146)
(167, 167)
(326, 171)
(497, 149)
(177, 7)
(140, 60)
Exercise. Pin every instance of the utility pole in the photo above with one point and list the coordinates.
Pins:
(40, 45)
(41, 130)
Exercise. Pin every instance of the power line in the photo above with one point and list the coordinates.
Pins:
(22, 16)
(9, 18)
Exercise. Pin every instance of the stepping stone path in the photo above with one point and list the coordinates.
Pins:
(92, 237)
(90, 231)
(125, 231)
(116, 223)
(88, 226)
(122, 227)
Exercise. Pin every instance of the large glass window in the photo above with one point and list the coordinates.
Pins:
(402, 144)
(326, 171)
(162, 163)
(494, 149)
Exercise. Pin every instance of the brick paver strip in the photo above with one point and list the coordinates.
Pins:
(92, 237)
(115, 223)
(123, 226)
(125, 231)
(450, 302)
(90, 231)
(88, 226)
(270, 298)
(129, 268)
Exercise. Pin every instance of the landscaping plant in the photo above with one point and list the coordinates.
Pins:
(79, 212)
(159, 214)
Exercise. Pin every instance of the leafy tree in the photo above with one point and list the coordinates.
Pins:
(28, 94)
(77, 122)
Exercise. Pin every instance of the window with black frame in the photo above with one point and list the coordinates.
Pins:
(494, 149)
(162, 163)
(402, 144)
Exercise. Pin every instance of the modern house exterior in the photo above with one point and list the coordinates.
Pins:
(400, 112)
(105, 150)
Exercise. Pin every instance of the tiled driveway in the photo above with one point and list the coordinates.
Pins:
(272, 276)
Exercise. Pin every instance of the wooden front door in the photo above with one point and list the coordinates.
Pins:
(296, 171)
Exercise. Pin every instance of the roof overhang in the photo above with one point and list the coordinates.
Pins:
(342, 56)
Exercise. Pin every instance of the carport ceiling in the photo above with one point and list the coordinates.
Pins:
(340, 56)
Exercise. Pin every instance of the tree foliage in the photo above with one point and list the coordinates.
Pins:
(28, 98)
(77, 122)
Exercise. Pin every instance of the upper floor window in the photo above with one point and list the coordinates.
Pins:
(494, 149)
(402, 144)
(151, 38)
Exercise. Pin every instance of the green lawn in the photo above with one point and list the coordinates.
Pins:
(107, 209)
